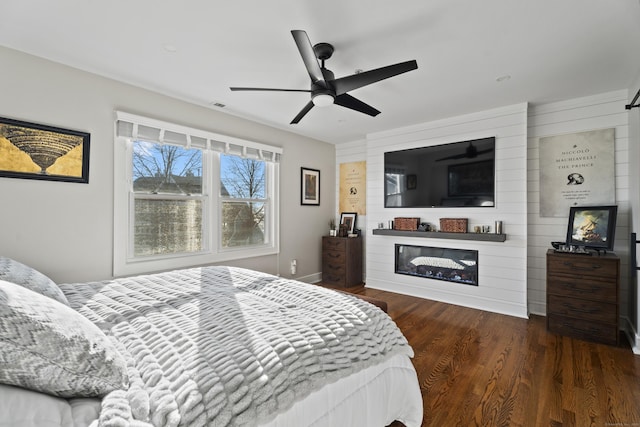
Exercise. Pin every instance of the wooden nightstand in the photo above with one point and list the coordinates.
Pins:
(582, 296)
(342, 261)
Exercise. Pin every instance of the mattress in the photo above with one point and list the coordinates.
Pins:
(372, 397)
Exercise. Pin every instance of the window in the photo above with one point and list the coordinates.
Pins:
(185, 197)
(244, 202)
(167, 199)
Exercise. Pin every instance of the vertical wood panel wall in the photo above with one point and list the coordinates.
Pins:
(502, 265)
(513, 273)
(576, 115)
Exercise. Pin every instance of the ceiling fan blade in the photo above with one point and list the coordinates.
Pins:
(348, 101)
(234, 88)
(355, 81)
(302, 113)
(309, 57)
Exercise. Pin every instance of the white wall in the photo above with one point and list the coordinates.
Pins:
(66, 229)
(576, 115)
(502, 265)
(634, 201)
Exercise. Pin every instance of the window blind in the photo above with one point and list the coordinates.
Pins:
(146, 129)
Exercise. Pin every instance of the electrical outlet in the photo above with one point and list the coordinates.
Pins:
(294, 266)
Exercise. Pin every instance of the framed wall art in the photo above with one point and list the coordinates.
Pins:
(35, 151)
(576, 169)
(592, 226)
(309, 187)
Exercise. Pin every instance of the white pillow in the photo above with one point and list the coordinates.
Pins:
(30, 278)
(48, 347)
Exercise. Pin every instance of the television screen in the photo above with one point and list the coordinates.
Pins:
(459, 174)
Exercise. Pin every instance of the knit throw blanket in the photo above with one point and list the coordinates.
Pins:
(222, 346)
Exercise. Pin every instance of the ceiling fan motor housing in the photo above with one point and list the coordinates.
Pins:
(323, 51)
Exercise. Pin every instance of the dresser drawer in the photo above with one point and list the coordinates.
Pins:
(582, 266)
(593, 289)
(585, 310)
(334, 257)
(334, 274)
(600, 332)
(334, 243)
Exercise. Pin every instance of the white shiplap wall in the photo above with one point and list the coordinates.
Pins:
(576, 115)
(502, 266)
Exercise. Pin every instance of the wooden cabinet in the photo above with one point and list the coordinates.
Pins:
(342, 261)
(582, 296)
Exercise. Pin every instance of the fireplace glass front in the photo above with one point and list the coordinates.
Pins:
(452, 265)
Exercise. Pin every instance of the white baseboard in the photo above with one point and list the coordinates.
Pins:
(311, 278)
(632, 335)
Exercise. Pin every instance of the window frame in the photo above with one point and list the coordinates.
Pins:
(124, 260)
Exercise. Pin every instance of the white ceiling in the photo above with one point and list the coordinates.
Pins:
(195, 49)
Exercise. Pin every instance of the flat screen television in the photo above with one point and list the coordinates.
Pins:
(458, 174)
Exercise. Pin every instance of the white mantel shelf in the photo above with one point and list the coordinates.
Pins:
(484, 237)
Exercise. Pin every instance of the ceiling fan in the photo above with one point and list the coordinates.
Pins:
(325, 88)
(471, 152)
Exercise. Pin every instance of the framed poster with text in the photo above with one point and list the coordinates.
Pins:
(576, 170)
(353, 187)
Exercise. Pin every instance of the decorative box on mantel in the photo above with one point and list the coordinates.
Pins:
(406, 224)
(453, 225)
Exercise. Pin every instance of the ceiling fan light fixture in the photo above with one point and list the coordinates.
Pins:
(322, 100)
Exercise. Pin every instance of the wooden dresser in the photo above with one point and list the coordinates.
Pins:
(582, 296)
(342, 261)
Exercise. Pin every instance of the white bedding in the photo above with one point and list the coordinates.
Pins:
(373, 397)
(222, 346)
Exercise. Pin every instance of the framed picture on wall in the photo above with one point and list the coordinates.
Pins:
(309, 186)
(35, 151)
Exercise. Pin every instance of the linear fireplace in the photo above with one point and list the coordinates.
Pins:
(452, 265)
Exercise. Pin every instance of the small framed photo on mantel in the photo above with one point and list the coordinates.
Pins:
(309, 187)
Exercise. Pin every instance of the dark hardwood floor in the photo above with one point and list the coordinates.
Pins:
(483, 369)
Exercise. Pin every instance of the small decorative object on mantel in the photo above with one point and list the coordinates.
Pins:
(425, 226)
(453, 225)
(406, 224)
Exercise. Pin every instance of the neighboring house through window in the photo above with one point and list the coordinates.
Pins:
(186, 197)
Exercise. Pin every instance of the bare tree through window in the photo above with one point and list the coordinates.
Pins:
(166, 224)
(243, 189)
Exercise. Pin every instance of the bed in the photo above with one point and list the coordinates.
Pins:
(210, 346)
